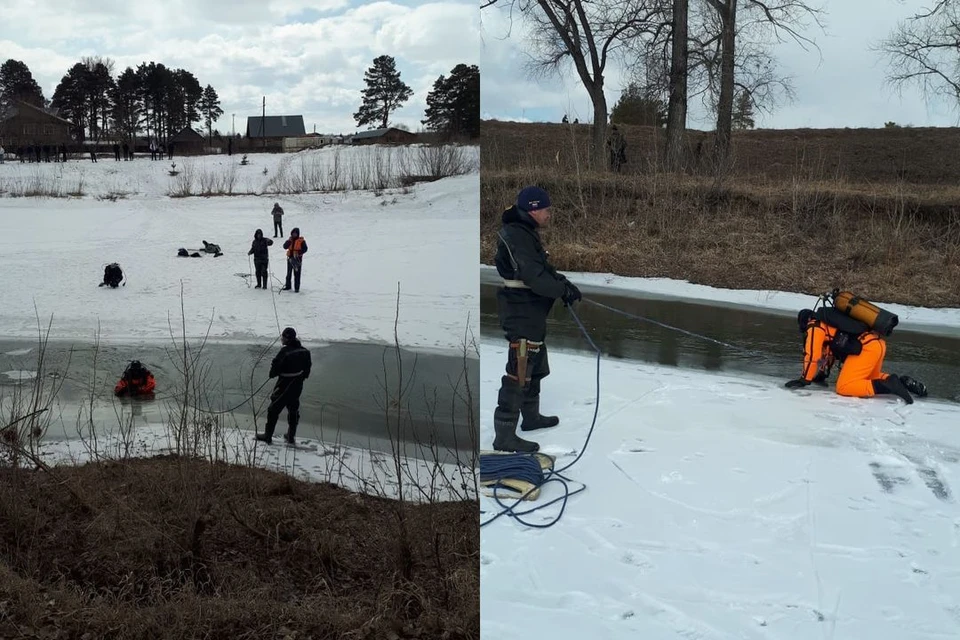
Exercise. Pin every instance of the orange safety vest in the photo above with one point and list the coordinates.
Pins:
(295, 247)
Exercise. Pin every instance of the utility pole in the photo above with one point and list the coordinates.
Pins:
(263, 123)
(233, 127)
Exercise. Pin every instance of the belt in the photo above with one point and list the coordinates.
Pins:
(291, 375)
(514, 284)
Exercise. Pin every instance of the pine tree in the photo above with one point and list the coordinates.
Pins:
(640, 106)
(453, 105)
(71, 98)
(210, 108)
(17, 83)
(385, 92)
(126, 104)
(743, 111)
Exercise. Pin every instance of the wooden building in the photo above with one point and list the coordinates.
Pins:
(390, 135)
(23, 124)
(187, 143)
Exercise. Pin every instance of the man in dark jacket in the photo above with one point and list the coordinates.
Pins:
(530, 287)
(261, 257)
(277, 220)
(290, 367)
(296, 246)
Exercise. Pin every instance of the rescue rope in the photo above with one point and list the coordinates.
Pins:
(522, 463)
(664, 325)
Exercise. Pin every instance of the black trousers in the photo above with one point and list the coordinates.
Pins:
(293, 269)
(278, 228)
(515, 395)
(286, 395)
(261, 269)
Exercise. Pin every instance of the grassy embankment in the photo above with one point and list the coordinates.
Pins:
(876, 211)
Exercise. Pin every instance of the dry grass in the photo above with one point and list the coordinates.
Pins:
(258, 555)
(810, 229)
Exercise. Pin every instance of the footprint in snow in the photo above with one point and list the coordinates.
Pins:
(638, 560)
(487, 559)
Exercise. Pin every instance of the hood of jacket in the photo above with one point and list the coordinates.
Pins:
(515, 214)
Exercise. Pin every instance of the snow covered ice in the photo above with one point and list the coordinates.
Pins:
(361, 244)
(725, 506)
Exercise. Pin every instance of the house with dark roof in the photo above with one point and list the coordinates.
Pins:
(187, 142)
(390, 135)
(276, 127)
(24, 124)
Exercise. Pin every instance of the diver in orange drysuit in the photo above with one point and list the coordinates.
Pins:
(136, 381)
(861, 358)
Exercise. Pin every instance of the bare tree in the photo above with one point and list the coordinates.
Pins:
(687, 62)
(781, 18)
(677, 103)
(925, 50)
(587, 34)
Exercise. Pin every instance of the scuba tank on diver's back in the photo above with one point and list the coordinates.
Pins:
(879, 320)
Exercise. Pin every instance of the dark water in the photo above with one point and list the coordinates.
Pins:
(345, 390)
(933, 359)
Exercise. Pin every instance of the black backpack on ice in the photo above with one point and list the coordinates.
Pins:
(112, 275)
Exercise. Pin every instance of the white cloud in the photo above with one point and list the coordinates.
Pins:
(248, 50)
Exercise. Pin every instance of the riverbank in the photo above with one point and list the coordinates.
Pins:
(781, 217)
(173, 547)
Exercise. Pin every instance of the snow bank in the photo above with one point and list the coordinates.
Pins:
(722, 506)
(360, 470)
(939, 321)
(361, 244)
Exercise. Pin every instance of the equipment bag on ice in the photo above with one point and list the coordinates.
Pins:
(112, 275)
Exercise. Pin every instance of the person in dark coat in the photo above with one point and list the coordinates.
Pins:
(290, 367)
(296, 246)
(261, 257)
(531, 285)
(277, 220)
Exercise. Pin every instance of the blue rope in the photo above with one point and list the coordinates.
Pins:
(518, 466)
(512, 465)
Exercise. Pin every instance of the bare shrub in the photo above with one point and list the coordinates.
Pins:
(183, 182)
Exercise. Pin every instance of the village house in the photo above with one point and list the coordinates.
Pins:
(268, 132)
(390, 135)
(188, 143)
(23, 125)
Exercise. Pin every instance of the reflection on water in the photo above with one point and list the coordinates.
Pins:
(933, 359)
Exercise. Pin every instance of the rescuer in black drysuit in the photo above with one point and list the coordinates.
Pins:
(530, 288)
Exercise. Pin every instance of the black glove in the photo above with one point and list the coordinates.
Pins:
(796, 384)
(571, 294)
(820, 379)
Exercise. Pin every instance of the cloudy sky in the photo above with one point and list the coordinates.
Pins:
(307, 57)
(842, 86)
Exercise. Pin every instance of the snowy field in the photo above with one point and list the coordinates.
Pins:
(361, 244)
(939, 321)
(722, 507)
